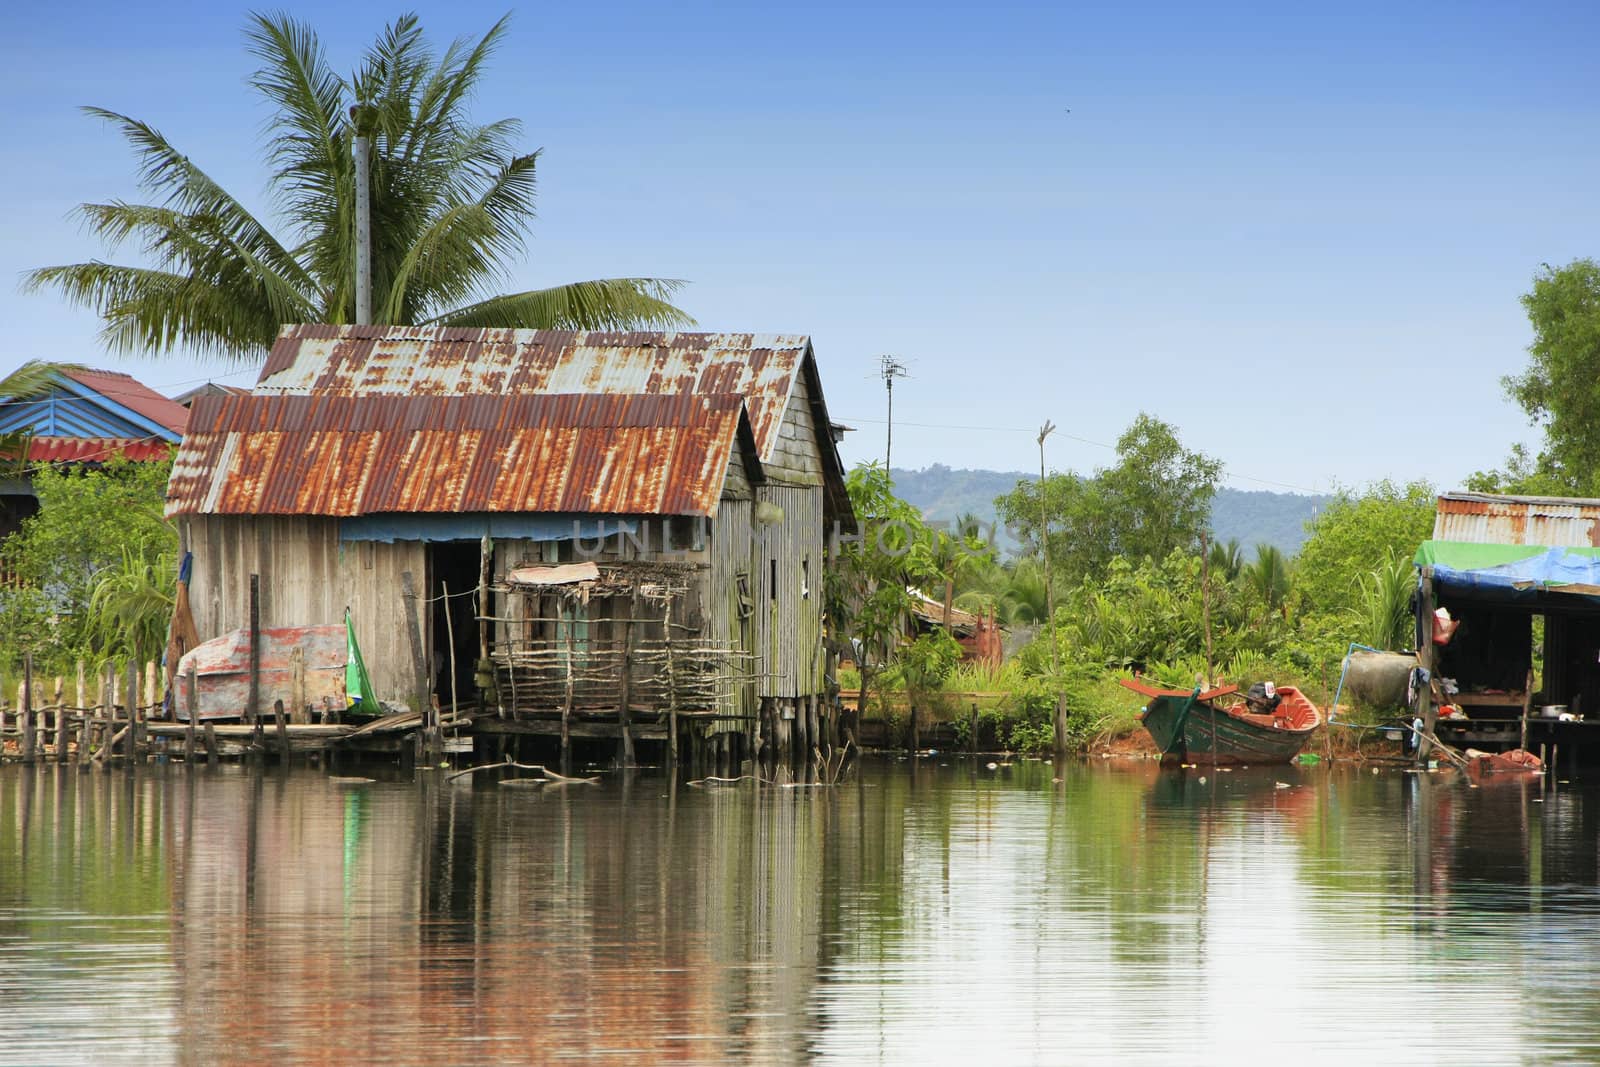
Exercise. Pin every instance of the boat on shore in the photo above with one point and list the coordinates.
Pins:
(1198, 727)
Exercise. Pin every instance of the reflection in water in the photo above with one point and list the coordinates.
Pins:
(917, 913)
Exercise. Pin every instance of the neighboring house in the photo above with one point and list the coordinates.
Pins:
(86, 417)
(188, 397)
(981, 637)
(651, 511)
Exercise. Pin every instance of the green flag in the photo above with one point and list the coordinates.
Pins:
(357, 686)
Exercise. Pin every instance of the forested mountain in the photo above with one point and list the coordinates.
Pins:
(1250, 516)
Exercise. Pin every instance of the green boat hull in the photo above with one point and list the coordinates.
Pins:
(1212, 737)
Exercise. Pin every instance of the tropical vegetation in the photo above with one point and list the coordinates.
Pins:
(452, 201)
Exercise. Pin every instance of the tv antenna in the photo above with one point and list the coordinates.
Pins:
(890, 368)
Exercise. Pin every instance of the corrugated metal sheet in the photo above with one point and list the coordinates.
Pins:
(447, 361)
(96, 449)
(346, 455)
(1481, 518)
(133, 394)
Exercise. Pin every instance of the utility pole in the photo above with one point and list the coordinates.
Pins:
(363, 176)
(1050, 599)
(889, 369)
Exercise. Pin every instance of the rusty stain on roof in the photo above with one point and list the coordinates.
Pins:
(452, 361)
(1483, 518)
(341, 455)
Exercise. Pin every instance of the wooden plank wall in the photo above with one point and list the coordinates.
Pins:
(788, 591)
(733, 553)
(308, 577)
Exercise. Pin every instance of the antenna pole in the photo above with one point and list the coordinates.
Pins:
(889, 369)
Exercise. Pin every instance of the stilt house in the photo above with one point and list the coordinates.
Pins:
(582, 527)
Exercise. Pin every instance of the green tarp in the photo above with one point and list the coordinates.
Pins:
(1471, 556)
(357, 686)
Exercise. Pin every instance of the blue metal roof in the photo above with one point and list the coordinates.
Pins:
(72, 409)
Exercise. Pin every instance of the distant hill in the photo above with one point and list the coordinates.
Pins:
(1252, 516)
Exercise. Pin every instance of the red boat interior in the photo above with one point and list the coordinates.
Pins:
(1294, 712)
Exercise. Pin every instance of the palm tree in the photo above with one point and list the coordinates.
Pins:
(1227, 559)
(451, 199)
(1271, 577)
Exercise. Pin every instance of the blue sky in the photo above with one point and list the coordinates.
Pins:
(1296, 235)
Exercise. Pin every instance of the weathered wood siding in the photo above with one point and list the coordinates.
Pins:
(308, 577)
(788, 592)
(733, 566)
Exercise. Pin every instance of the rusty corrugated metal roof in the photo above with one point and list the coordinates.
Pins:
(96, 449)
(358, 455)
(1483, 518)
(451, 361)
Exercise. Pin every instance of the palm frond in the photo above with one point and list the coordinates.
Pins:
(189, 191)
(34, 378)
(159, 311)
(605, 304)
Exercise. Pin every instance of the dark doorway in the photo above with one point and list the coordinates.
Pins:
(453, 569)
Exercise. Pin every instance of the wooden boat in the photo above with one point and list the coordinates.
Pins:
(1193, 727)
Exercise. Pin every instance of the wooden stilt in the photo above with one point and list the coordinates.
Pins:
(25, 704)
(623, 713)
(131, 744)
(252, 710)
(566, 707)
(672, 687)
(282, 729)
(192, 707)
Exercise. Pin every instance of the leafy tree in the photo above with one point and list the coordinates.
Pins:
(91, 524)
(1560, 389)
(452, 201)
(1154, 500)
(1355, 533)
(867, 584)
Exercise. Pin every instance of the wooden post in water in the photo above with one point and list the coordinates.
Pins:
(672, 687)
(1527, 703)
(434, 735)
(626, 686)
(192, 705)
(914, 738)
(283, 730)
(130, 691)
(25, 705)
(408, 595)
(91, 714)
(252, 709)
(82, 706)
(63, 721)
(484, 666)
(972, 730)
(566, 707)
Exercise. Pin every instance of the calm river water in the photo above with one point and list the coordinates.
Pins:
(941, 912)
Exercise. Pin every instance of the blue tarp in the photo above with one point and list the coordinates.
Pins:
(1554, 567)
(471, 526)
